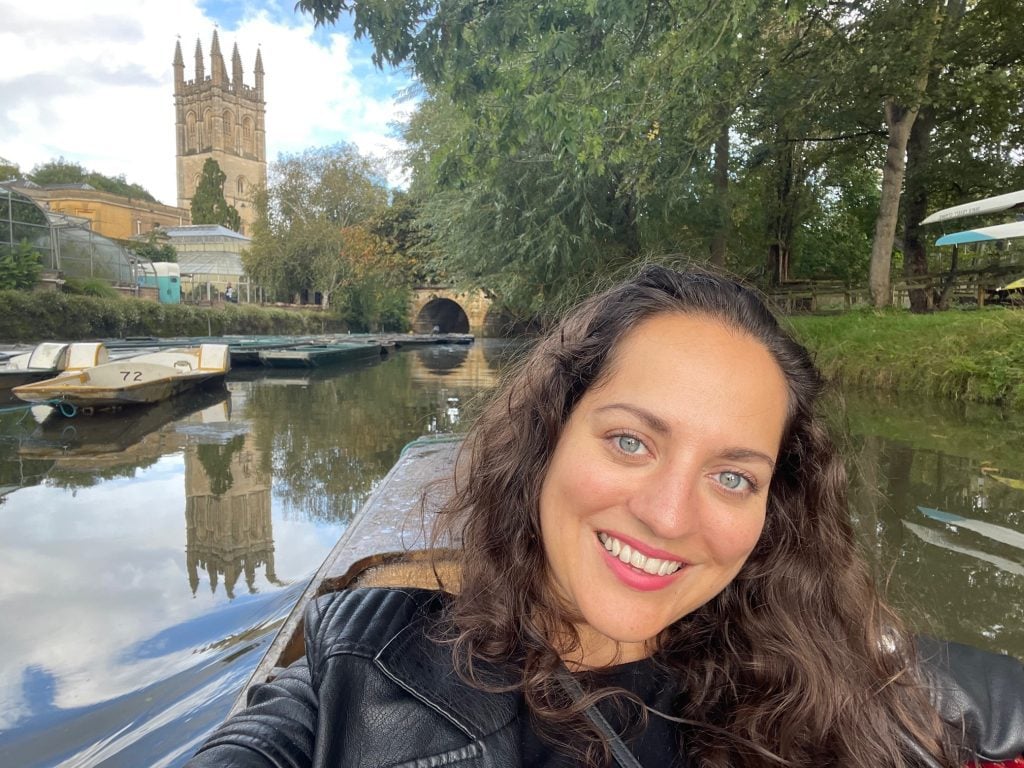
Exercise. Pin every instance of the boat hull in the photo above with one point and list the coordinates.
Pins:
(138, 380)
(318, 356)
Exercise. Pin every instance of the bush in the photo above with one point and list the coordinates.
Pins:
(27, 317)
(90, 286)
(20, 266)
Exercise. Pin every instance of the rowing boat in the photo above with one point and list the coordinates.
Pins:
(146, 378)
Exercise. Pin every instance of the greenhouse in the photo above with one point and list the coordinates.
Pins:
(21, 220)
(65, 243)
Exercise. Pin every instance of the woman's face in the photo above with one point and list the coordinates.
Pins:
(665, 465)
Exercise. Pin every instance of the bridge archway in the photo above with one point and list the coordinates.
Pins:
(451, 311)
(446, 315)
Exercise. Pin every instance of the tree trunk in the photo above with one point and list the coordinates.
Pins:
(787, 183)
(720, 238)
(915, 255)
(899, 120)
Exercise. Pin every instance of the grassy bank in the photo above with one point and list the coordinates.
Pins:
(966, 355)
(28, 317)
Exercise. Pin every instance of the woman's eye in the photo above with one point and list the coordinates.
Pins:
(629, 444)
(734, 481)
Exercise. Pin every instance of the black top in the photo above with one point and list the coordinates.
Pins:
(656, 746)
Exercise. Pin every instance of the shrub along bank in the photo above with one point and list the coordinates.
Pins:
(27, 317)
(974, 355)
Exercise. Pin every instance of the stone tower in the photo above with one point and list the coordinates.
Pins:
(220, 117)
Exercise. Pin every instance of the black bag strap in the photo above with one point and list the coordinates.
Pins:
(623, 757)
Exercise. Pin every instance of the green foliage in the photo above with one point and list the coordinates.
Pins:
(20, 266)
(9, 170)
(90, 286)
(154, 248)
(560, 142)
(968, 355)
(310, 233)
(26, 317)
(208, 203)
(61, 171)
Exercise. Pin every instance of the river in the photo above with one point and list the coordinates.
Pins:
(145, 563)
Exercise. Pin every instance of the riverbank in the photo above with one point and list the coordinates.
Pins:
(37, 316)
(972, 355)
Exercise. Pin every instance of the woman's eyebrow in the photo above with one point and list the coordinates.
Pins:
(743, 454)
(656, 423)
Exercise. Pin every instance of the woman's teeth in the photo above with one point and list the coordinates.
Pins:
(652, 565)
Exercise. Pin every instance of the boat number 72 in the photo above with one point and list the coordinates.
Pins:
(131, 375)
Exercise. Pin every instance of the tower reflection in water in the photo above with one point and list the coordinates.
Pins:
(228, 524)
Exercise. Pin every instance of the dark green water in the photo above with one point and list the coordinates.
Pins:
(146, 562)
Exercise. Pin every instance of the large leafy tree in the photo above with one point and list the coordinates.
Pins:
(559, 142)
(209, 206)
(313, 227)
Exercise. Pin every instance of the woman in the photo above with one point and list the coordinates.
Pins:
(657, 569)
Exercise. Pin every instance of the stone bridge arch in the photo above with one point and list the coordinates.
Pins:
(450, 311)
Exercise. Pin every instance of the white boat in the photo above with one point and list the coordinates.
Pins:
(50, 359)
(978, 207)
(146, 378)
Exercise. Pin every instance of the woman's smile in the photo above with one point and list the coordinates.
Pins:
(657, 489)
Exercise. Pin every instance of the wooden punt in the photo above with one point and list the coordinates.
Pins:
(147, 378)
(384, 545)
(318, 355)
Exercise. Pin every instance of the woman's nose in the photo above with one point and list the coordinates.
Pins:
(668, 502)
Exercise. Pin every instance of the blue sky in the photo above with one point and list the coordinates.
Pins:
(65, 68)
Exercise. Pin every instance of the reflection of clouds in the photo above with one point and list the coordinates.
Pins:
(90, 575)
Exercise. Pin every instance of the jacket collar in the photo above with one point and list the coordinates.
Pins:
(424, 668)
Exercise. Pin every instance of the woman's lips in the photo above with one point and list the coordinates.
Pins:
(638, 567)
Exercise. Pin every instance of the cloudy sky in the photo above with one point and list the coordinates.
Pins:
(67, 67)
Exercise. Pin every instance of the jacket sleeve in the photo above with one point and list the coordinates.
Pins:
(275, 730)
(980, 692)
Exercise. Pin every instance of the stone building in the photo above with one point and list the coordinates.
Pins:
(220, 117)
(108, 214)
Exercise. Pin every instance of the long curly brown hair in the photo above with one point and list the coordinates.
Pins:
(797, 662)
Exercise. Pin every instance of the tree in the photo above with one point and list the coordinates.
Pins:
(154, 248)
(20, 266)
(60, 171)
(558, 143)
(208, 203)
(306, 215)
(9, 170)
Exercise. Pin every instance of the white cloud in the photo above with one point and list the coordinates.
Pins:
(93, 83)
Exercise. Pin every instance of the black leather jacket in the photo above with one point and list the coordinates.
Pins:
(374, 691)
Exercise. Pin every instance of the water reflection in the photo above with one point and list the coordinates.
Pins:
(229, 531)
(940, 507)
(142, 573)
(145, 560)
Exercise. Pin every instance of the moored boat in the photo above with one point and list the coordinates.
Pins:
(316, 355)
(386, 544)
(146, 378)
(49, 359)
